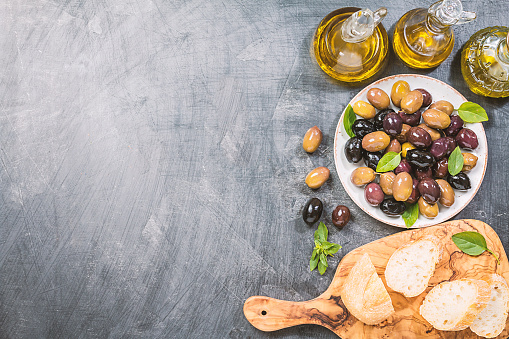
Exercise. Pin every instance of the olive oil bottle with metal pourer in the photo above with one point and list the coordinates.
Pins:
(423, 38)
(350, 44)
(485, 62)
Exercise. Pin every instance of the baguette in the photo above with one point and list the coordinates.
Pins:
(491, 321)
(364, 293)
(453, 306)
(412, 265)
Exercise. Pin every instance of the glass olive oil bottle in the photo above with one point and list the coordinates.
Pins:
(350, 45)
(485, 62)
(423, 38)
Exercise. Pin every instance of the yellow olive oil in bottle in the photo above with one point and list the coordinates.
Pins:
(485, 62)
(350, 44)
(423, 38)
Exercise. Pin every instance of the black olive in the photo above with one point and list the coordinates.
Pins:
(371, 159)
(312, 211)
(354, 150)
(378, 120)
(392, 207)
(362, 127)
(459, 181)
(420, 159)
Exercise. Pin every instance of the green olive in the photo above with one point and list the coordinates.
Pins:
(436, 119)
(378, 98)
(402, 187)
(411, 102)
(362, 176)
(375, 141)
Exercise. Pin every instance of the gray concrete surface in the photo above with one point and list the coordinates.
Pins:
(151, 171)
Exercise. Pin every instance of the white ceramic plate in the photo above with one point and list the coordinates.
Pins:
(439, 91)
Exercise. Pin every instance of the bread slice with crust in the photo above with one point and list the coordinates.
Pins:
(411, 266)
(491, 321)
(364, 293)
(453, 305)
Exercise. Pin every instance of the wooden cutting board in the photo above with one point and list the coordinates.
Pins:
(328, 310)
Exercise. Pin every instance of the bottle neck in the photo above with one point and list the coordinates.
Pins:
(435, 25)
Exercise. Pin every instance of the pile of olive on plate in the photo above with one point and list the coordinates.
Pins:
(422, 175)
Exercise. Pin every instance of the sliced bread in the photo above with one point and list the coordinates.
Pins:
(491, 321)
(364, 293)
(453, 306)
(411, 266)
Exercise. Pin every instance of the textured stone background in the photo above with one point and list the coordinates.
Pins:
(151, 171)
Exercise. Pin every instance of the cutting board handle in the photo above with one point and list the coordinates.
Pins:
(268, 314)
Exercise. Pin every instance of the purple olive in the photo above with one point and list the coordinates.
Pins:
(340, 216)
(429, 190)
(442, 147)
(467, 139)
(455, 126)
(354, 150)
(423, 173)
(441, 168)
(419, 137)
(378, 120)
(393, 124)
(373, 194)
(403, 166)
(426, 97)
(411, 119)
(415, 192)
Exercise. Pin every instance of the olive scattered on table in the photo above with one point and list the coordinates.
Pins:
(312, 139)
(340, 216)
(317, 177)
(312, 211)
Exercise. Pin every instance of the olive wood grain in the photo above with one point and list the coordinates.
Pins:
(328, 310)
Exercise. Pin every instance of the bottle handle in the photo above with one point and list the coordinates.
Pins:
(379, 15)
(466, 17)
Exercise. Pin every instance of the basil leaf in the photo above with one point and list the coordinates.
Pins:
(411, 215)
(455, 162)
(313, 263)
(323, 259)
(321, 268)
(348, 120)
(472, 112)
(334, 249)
(472, 243)
(326, 245)
(323, 233)
(389, 161)
(315, 253)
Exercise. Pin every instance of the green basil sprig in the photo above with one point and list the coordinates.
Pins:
(322, 249)
(348, 120)
(388, 162)
(472, 112)
(410, 215)
(472, 243)
(455, 162)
